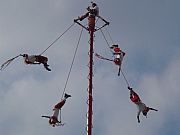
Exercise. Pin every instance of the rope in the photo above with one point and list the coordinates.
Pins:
(110, 36)
(60, 115)
(125, 78)
(72, 63)
(97, 20)
(57, 39)
(112, 53)
(106, 40)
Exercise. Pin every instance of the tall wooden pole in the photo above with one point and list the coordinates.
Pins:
(91, 24)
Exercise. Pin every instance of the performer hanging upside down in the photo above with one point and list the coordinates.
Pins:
(118, 56)
(53, 120)
(36, 59)
(141, 106)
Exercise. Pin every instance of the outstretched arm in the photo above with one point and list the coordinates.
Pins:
(46, 116)
(153, 109)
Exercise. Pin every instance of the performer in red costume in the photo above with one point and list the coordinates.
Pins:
(140, 105)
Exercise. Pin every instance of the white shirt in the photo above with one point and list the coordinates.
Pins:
(141, 107)
(56, 112)
(31, 58)
(119, 56)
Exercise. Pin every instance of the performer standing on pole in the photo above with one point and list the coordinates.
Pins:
(91, 10)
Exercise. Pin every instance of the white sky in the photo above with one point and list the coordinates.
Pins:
(147, 30)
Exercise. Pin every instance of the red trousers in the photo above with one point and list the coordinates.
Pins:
(60, 104)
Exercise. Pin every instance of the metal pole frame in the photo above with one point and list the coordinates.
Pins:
(91, 29)
(91, 24)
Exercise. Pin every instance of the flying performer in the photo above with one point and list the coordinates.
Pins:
(36, 59)
(53, 120)
(91, 10)
(118, 56)
(28, 59)
(140, 105)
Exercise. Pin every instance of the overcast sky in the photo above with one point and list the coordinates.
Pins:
(147, 30)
